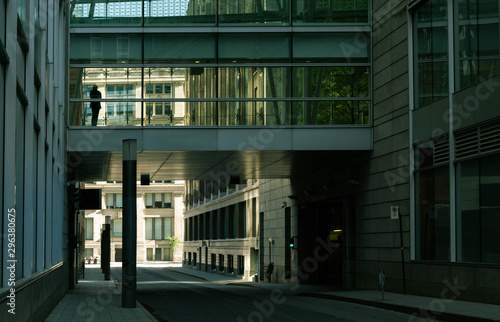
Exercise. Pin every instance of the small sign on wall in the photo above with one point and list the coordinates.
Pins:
(394, 212)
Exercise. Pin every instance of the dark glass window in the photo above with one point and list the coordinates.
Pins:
(433, 206)
(478, 210)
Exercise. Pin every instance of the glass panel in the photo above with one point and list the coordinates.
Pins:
(431, 44)
(168, 198)
(158, 108)
(111, 82)
(117, 228)
(199, 82)
(89, 228)
(331, 47)
(331, 112)
(167, 227)
(2, 25)
(162, 113)
(179, 12)
(110, 114)
(119, 201)
(468, 214)
(23, 12)
(313, 11)
(331, 82)
(149, 228)
(254, 82)
(149, 200)
(254, 113)
(157, 229)
(236, 47)
(158, 200)
(105, 48)
(250, 11)
(110, 204)
(478, 41)
(199, 113)
(433, 214)
(490, 209)
(186, 47)
(92, 12)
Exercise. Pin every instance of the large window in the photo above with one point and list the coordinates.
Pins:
(158, 200)
(431, 52)
(158, 228)
(89, 228)
(478, 44)
(114, 200)
(117, 227)
(476, 40)
(433, 205)
(478, 210)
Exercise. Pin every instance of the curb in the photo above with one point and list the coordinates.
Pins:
(413, 311)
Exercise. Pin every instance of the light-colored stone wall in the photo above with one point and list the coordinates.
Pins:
(218, 203)
(176, 213)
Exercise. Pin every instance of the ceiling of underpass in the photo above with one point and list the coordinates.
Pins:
(203, 165)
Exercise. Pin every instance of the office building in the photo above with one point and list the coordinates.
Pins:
(221, 226)
(364, 122)
(35, 271)
(159, 218)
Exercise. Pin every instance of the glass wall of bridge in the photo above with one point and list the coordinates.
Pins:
(221, 79)
(217, 12)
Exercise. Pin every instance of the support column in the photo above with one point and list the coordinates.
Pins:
(106, 249)
(129, 269)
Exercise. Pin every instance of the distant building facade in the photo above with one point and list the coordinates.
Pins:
(221, 227)
(159, 216)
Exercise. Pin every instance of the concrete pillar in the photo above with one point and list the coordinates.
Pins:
(129, 264)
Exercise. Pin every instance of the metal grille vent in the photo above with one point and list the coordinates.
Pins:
(480, 140)
(489, 138)
(441, 151)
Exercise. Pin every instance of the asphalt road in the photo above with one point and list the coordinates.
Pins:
(175, 297)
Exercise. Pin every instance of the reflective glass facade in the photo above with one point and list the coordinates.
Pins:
(218, 12)
(476, 41)
(185, 73)
(457, 56)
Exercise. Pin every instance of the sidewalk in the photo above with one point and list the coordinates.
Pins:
(94, 299)
(422, 308)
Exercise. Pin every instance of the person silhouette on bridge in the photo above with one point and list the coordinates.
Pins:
(95, 106)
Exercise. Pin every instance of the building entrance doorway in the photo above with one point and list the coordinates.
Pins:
(322, 242)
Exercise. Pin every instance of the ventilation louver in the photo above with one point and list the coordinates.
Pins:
(441, 151)
(480, 140)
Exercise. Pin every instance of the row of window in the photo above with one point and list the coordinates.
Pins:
(190, 258)
(116, 90)
(229, 12)
(155, 228)
(152, 254)
(225, 223)
(477, 208)
(151, 200)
